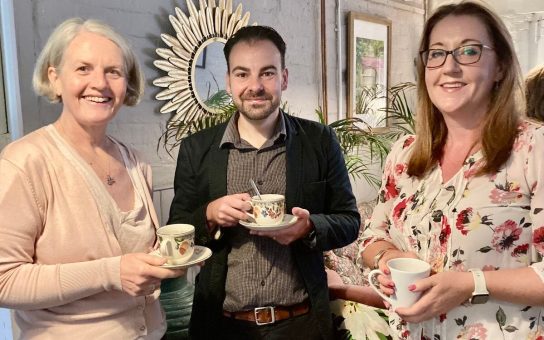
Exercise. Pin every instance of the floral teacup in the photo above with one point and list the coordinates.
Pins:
(176, 242)
(268, 209)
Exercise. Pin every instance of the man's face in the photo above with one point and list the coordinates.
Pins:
(256, 79)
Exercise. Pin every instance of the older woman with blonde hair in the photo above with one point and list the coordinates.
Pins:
(76, 217)
(466, 193)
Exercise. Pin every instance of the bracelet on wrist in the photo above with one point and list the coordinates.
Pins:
(379, 256)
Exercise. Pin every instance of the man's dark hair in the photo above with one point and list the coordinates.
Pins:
(251, 34)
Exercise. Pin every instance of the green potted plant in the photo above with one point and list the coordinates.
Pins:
(361, 144)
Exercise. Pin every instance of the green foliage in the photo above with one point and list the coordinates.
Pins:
(361, 144)
(369, 48)
(367, 99)
(399, 112)
(354, 136)
(176, 130)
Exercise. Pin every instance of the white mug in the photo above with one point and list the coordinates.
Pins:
(176, 242)
(404, 272)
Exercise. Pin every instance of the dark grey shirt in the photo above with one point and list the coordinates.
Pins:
(261, 272)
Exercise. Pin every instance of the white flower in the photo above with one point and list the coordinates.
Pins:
(361, 320)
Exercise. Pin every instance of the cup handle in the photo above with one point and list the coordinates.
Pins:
(166, 248)
(377, 289)
(251, 218)
(250, 214)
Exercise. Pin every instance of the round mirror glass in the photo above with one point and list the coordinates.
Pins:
(193, 82)
(208, 76)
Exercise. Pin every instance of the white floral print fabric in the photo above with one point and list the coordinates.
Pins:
(489, 222)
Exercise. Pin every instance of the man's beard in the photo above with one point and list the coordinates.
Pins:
(257, 111)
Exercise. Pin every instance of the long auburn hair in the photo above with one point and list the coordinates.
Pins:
(505, 107)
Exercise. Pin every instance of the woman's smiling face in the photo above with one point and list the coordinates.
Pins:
(462, 90)
(91, 79)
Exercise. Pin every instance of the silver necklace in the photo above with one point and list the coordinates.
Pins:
(110, 180)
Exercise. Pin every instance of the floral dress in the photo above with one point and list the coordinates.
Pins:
(489, 222)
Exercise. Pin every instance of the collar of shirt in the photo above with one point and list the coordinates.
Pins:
(231, 137)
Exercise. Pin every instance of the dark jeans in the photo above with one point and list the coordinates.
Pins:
(299, 327)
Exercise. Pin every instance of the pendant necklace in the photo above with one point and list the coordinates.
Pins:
(109, 179)
(472, 149)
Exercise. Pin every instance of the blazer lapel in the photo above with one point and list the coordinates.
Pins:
(218, 168)
(294, 162)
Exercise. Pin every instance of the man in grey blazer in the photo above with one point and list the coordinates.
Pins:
(263, 284)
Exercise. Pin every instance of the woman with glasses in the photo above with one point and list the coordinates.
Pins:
(466, 193)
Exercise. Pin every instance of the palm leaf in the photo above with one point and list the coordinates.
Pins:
(176, 131)
(399, 109)
(356, 136)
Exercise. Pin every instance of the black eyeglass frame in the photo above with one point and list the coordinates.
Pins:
(452, 52)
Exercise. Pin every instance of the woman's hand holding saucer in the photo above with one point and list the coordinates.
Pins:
(141, 273)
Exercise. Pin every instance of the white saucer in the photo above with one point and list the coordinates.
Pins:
(200, 254)
(288, 220)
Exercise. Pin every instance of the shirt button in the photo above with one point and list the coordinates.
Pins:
(262, 283)
(142, 328)
(260, 182)
(140, 307)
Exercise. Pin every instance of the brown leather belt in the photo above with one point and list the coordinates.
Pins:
(270, 314)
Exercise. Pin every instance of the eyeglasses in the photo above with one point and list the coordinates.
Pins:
(464, 55)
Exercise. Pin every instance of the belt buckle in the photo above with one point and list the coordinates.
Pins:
(259, 310)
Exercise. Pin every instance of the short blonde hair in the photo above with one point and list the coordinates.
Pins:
(505, 108)
(53, 52)
(534, 93)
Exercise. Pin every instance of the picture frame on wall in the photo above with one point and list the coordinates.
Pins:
(369, 60)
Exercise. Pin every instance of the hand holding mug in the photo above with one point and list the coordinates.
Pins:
(387, 285)
(442, 292)
(226, 211)
(404, 272)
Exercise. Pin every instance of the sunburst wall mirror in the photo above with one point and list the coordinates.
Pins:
(195, 64)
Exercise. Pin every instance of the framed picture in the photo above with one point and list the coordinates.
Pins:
(369, 55)
(201, 60)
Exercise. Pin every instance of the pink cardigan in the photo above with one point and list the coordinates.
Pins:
(59, 256)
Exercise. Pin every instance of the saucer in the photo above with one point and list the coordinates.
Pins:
(200, 254)
(288, 220)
